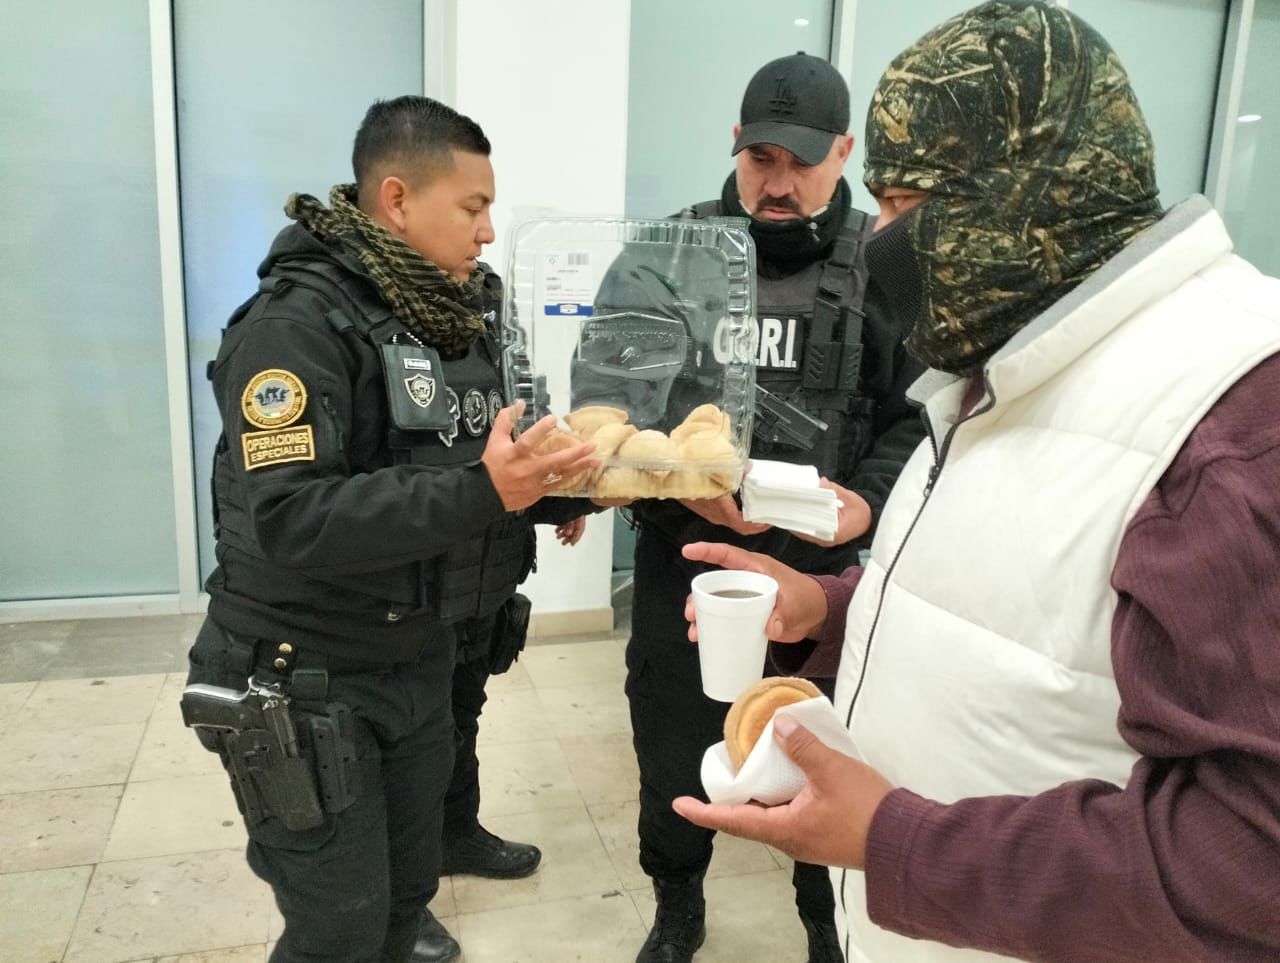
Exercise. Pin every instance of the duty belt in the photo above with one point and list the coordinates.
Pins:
(307, 670)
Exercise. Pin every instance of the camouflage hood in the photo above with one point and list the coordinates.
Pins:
(1019, 118)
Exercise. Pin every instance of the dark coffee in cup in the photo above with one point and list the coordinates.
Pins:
(736, 594)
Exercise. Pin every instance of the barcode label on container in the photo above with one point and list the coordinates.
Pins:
(568, 286)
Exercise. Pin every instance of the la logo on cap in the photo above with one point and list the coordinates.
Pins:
(783, 100)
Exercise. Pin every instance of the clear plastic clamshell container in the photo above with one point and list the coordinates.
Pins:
(639, 336)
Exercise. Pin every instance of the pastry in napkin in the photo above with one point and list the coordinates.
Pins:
(768, 775)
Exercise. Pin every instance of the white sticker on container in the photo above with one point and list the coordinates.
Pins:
(568, 286)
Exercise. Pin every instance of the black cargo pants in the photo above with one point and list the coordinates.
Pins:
(352, 889)
(673, 723)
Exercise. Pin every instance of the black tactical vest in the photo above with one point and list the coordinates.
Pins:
(810, 351)
(439, 415)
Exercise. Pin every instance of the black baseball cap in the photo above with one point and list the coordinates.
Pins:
(800, 103)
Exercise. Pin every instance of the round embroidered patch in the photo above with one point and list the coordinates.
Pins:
(273, 398)
(495, 405)
(475, 413)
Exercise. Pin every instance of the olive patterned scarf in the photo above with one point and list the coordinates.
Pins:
(441, 311)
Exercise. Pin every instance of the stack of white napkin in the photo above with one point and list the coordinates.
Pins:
(789, 497)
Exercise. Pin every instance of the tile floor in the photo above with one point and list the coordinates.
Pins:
(120, 840)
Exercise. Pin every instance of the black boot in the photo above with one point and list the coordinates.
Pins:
(484, 854)
(434, 944)
(824, 940)
(679, 924)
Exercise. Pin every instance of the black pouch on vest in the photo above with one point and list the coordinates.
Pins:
(416, 395)
(510, 630)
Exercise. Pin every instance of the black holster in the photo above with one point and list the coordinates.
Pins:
(324, 778)
(510, 630)
(267, 782)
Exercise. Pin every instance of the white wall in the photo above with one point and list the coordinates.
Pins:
(548, 83)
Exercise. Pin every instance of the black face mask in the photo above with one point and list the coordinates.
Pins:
(788, 246)
(892, 264)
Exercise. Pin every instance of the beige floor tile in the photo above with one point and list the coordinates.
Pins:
(163, 817)
(13, 695)
(169, 906)
(749, 917)
(37, 631)
(616, 823)
(555, 735)
(604, 767)
(47, 830)
(236, 954)
(38, 911)
(443, 903)
(574, 863)
(525, 777)
(516, 677)
(450, 924)
(586, 710)
(168, 747)
(275, 922)
(577, 663)
(33, 759)
(513, 716)
(592, 929)
(74, 703)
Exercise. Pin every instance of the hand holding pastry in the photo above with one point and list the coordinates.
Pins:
(753, 710)
(518, 472)
(827, 823)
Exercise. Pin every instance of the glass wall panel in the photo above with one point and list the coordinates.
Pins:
(269, 99)
(86, 493)
(1175, 79)
(1253, 194)
(690, 63)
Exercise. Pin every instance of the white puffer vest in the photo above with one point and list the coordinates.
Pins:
(986, 607)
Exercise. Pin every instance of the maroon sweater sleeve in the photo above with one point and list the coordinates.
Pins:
(819, 657)
(1184, 862)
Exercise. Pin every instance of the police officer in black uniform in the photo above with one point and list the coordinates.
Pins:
(369, 499)
(834, 374)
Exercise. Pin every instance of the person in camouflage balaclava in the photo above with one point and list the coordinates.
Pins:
(1019, 121)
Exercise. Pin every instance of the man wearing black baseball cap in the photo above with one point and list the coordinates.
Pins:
(831, 357)
(799, 103)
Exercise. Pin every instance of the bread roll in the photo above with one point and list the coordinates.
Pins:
(622, 482)
(587, 420)
(708, 449)
(708, 413)
(608, 437)
(691, 484)
(752, 710)
(686, 430)
(559, 440)
(651, 449)
(704, 418)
